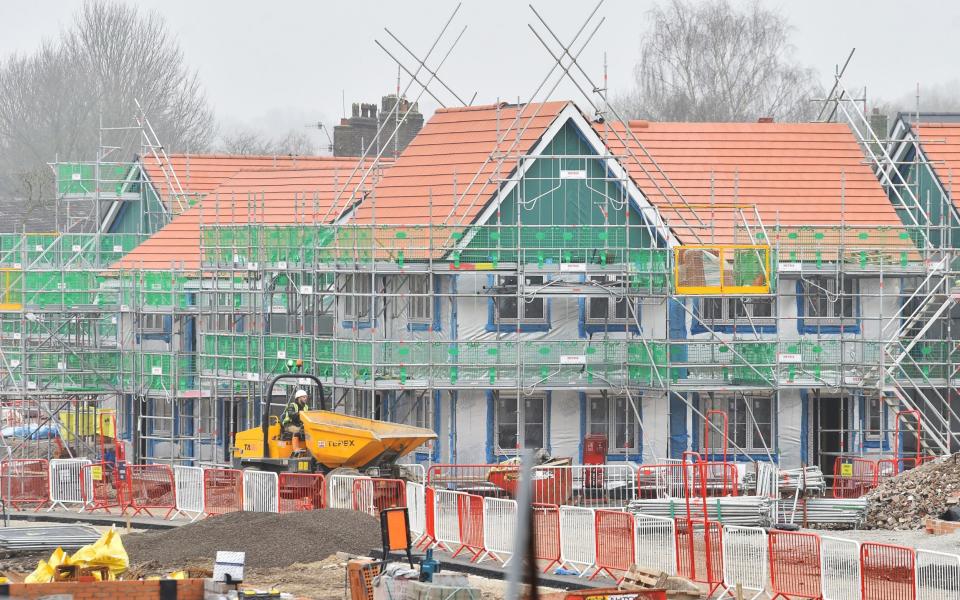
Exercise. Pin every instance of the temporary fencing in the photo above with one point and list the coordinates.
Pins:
(745, 559)
(222, 491)
(416, 509)
(578, 540)
(189, 482)
(25, 481)
(853, 476)
(585, 485)
(887, 572)
(498, 481)
(446, 519)
(66, 482)
(99, 482)
(429, 537)
(938, 575)
(413, 472)
(300, 491)
(150, 486)
(499, 528)
(700, 551)
(795, 568)
(687, 479)
(655, 543)
(260, 491)
(615, 541)
(470, 515)
(840, 568)
(546, 534)
(340, 490)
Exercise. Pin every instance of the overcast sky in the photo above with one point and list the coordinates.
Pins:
(283, 64)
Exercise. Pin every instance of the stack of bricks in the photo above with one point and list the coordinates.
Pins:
(170, 589)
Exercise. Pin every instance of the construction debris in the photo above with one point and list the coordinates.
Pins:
(901, 502)
(48, 539)
(268, 539)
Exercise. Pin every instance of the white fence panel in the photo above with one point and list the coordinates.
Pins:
(938, 575)
(260, 492)
(414, 471)
(446, 519)
(578, 540)
(840, 568)
(597, 486)
(189, 484)
(340, 490)
(363, 496)
(656, 543)
(499, 528)
(745, 559)
(416, 509)
(65, 482)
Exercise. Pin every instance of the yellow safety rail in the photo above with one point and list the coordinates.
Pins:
(722, 269)
(11, 281)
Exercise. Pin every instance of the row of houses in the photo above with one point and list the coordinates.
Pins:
(521, 276)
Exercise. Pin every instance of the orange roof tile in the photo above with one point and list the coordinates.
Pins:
(434, 173)
(794, 173)
(272, 196)
(199, 174)
(941, 145)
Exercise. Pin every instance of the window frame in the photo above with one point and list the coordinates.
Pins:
(752, 436)
(502, 281)
(148, 323)
(814, 291)
(357, 302)
(611, 424)
(869, 413)
(497, 397)
(422, 296)
(729, 315)
(611, 303)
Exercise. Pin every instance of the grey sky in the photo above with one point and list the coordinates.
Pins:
(282, 64)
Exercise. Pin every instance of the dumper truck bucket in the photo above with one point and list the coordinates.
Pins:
(337, 440)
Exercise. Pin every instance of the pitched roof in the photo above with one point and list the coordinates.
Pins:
(447, 169)
(794, 173)
(941, 145)
(267, 196)
(200, 174)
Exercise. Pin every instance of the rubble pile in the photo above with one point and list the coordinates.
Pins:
(903, 501)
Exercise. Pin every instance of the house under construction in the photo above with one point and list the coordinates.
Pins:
(519, 276)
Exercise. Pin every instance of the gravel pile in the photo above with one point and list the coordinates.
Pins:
(270, 540)
(901, 502)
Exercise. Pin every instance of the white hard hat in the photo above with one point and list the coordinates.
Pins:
(299, 394)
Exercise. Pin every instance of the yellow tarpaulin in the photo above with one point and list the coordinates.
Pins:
(108, 552)
(87, 422)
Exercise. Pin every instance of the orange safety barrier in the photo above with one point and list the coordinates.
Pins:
(301, 491)
(106, 491)
(795, 568)
(470, 514)
(429, 536)
(150, 486)
(887, 572)
(389, 493)
(615, 542)
(546, 534)
(222, 491)
(853, 476)
(699, 544)
(25, 481)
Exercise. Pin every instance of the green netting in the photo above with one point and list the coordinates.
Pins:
(927, 360)
(749, 267)
(762, 358)
(82, 178)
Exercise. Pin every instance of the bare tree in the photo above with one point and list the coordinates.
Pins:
(53, 101)
(706, 61)
(294, 143)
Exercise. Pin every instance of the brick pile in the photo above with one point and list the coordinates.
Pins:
(905, 501)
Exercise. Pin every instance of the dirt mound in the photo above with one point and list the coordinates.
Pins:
(901, 502)
(270, 540)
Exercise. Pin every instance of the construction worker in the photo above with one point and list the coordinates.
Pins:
(290, 421)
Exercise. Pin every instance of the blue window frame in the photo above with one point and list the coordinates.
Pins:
(741, 314)
(828, 304)
(509, 312)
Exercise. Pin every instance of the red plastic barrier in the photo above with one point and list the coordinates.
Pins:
(222, 491)
(794, 565)
(151, 486)
(470, 514)
(887, 572)
(862, 477)
(389, 493)
(429, 524)
(25, 481)
(546, 534)
(106, 493)
(615, 542)
(301, 491)
(699, 544)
